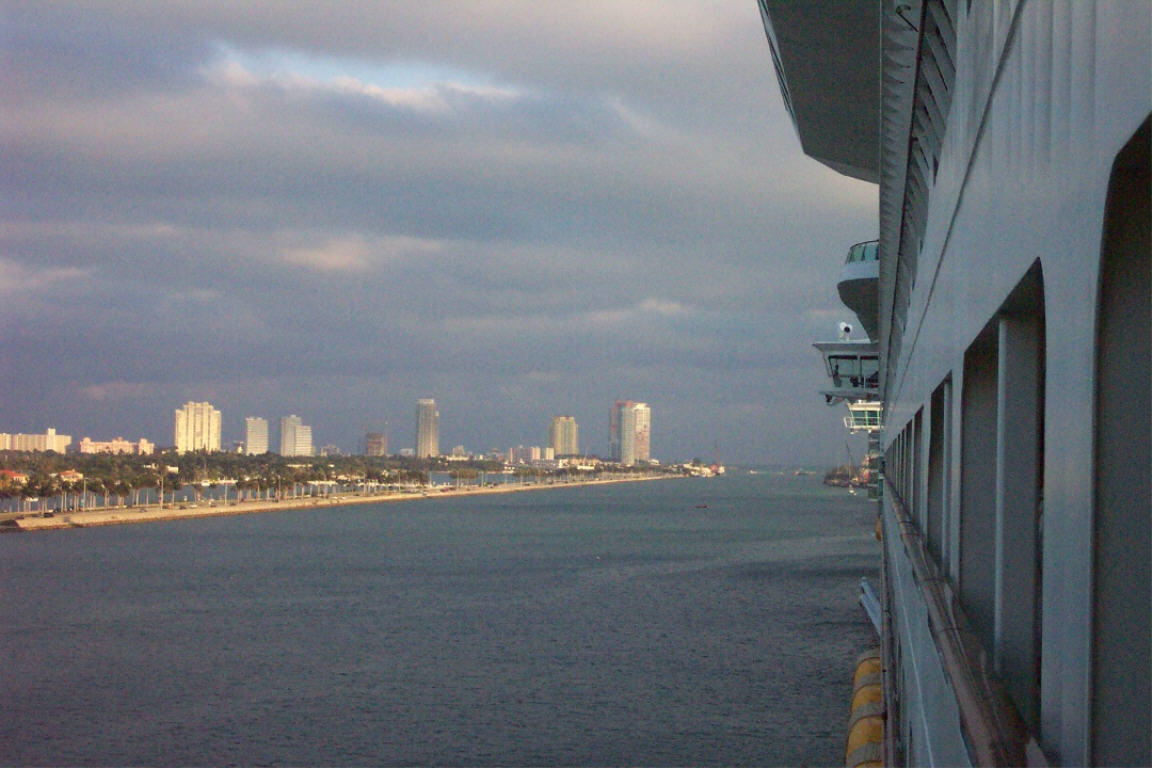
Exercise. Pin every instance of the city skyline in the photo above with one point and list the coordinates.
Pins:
(201, 424)
(284, 209)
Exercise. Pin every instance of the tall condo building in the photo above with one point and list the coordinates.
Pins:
(629, 437)
(295, 437)
(255, 435)
(614, 430)
(563, 436)
(427, 428)
(197, 428)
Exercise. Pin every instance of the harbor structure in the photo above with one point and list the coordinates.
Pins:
(564, 436)
(197, 427)
(255, 435)
(295, 437)
(1011, 406)
(427, 428)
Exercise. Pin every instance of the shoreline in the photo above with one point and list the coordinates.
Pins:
(154, 514)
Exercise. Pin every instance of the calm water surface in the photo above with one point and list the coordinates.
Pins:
(609, 625)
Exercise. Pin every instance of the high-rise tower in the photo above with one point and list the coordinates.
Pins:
(629, 438)
(295, 437)
(197, 428)
(614, 429)
(427, 428)
(255, 435)
(563, 436)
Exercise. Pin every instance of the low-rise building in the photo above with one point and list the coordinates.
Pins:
(49, 441)
(10, 477)
(118, 445)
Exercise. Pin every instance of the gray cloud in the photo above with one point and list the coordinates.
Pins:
(331, 209)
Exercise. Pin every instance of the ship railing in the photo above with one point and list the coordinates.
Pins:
(862, 252)
(862, 423)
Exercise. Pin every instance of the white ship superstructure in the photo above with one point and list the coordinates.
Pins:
(1010, 140)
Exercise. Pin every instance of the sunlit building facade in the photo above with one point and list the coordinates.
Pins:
(563, 436)
(118, 445)
(427, 428)
(49, 441)
(629, 436)
(197, 428)
(255, 435)
(295, 437)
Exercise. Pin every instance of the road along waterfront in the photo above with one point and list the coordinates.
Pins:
(156, 513)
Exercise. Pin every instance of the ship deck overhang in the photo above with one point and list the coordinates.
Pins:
(833, 100)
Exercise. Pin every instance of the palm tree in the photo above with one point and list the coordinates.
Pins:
(121, 488)
(9, 489)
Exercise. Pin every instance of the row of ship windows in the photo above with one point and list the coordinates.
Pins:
(991, 550)
(986, 536)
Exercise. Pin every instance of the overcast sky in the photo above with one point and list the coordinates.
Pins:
(520, 209)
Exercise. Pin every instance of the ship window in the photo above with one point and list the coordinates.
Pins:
(895, 463)
(1019, 496)
(904, 452)
(1001, 490)
(939, 448)
(854, 370)
(976, 566)
(916, 473)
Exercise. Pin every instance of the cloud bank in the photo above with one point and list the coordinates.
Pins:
(332, 209)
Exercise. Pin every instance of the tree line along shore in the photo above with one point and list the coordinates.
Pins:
(47, 481)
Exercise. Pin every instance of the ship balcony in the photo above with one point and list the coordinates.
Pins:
(853, 368)
(859, 285)
(864, 416)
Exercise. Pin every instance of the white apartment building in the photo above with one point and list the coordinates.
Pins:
(255, 435)
(49, 441)
(117, 445)
(197, 428)
(295, 437)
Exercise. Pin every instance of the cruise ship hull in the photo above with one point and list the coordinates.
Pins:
(1013, 157)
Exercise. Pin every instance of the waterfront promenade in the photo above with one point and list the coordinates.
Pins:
(154, 513)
